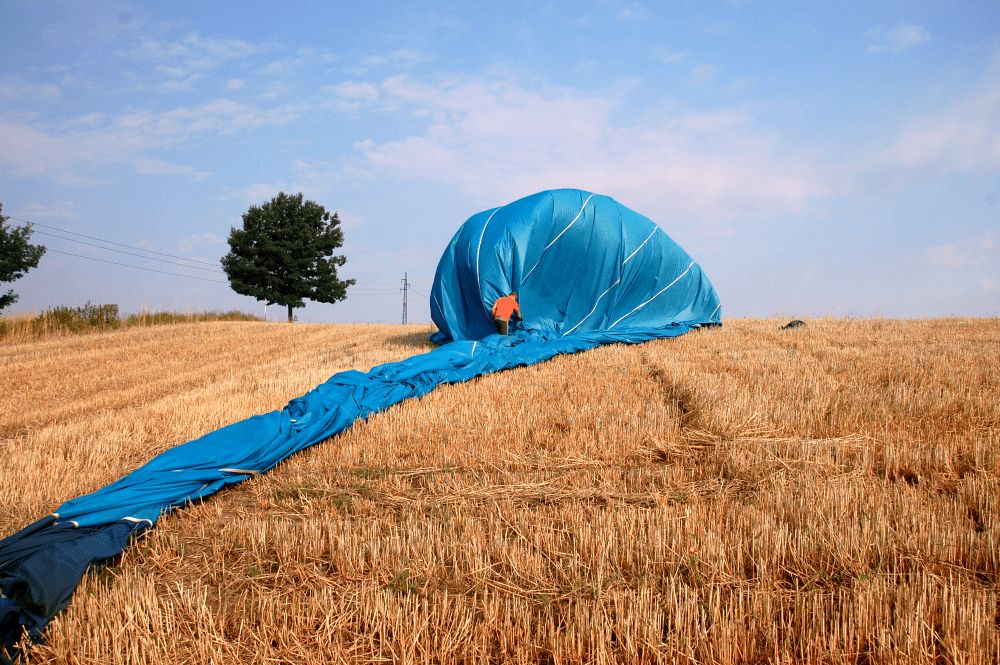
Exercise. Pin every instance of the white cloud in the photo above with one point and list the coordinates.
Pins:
(185, 84)
(275, 90)
(704, 73)
(185, 61)
(197, 241)
(313, 179)
(974, 251)
(354, 91)
(497, 140)
(718, 29)
(39, 210)
(255, 194)
(235, 84)
(286, 65)
(16, 89)
(281, 67)
(87, 120)
(61, 154)
(220, 115)
(150, 166)
(629, 11)
(900, 37)
(399, 58)
(987, 284)
(350, 95)
(962, 137)
(739, 84)
(946, 255)
(668, 57)
(196, 52)
(350, 221)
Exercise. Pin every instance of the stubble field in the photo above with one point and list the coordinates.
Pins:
(739, 495)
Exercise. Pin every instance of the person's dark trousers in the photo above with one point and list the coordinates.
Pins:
(503, 325)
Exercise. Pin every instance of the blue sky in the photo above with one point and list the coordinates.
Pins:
(815, 158)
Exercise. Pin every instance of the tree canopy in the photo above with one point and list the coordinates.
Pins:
(284, 253)
(17, 256)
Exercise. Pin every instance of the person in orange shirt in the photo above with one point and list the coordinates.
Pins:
(503, 310)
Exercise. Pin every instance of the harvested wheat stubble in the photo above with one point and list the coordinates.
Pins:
(828, 494)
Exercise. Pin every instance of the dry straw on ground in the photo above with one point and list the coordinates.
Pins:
(827, 494)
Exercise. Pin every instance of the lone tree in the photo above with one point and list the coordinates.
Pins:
(284, 253)
(17, 256)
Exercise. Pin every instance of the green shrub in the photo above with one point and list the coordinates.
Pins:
(94, 318)
(76, 319)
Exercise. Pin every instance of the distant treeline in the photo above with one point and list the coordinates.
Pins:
(94, 318)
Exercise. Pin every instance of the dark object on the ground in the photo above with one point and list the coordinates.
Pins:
(793, 324)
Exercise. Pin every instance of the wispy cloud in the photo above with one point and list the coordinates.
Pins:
(394, 60)
(195, 52)
(34, 210)
(978, 250)
(288, 64)
(68, 154)
(626, 10)
(199, 241)
(495, 140)
(16, 89)
(183, 62)
(704, 73)
(718, 28)
(350, 95)
(354, 91)
(964, 136)
(151, 166)
(402, 57)
(900, 37)
(313, 179)
(86, 120)
(973, 260)
(350, 221)
(185, 84)
(667, 56)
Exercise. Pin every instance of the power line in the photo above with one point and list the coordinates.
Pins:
(126, 265)
(368, 289)
(122, 251)
(388, 286)
(110, 242)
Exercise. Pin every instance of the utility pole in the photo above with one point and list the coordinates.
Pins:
(406, 287)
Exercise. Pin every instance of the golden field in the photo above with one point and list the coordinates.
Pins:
(740, 495)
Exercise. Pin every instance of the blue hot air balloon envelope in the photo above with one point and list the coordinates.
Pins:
(579, 262)
(588, 271)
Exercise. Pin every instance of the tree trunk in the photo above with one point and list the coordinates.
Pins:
(289, 313)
